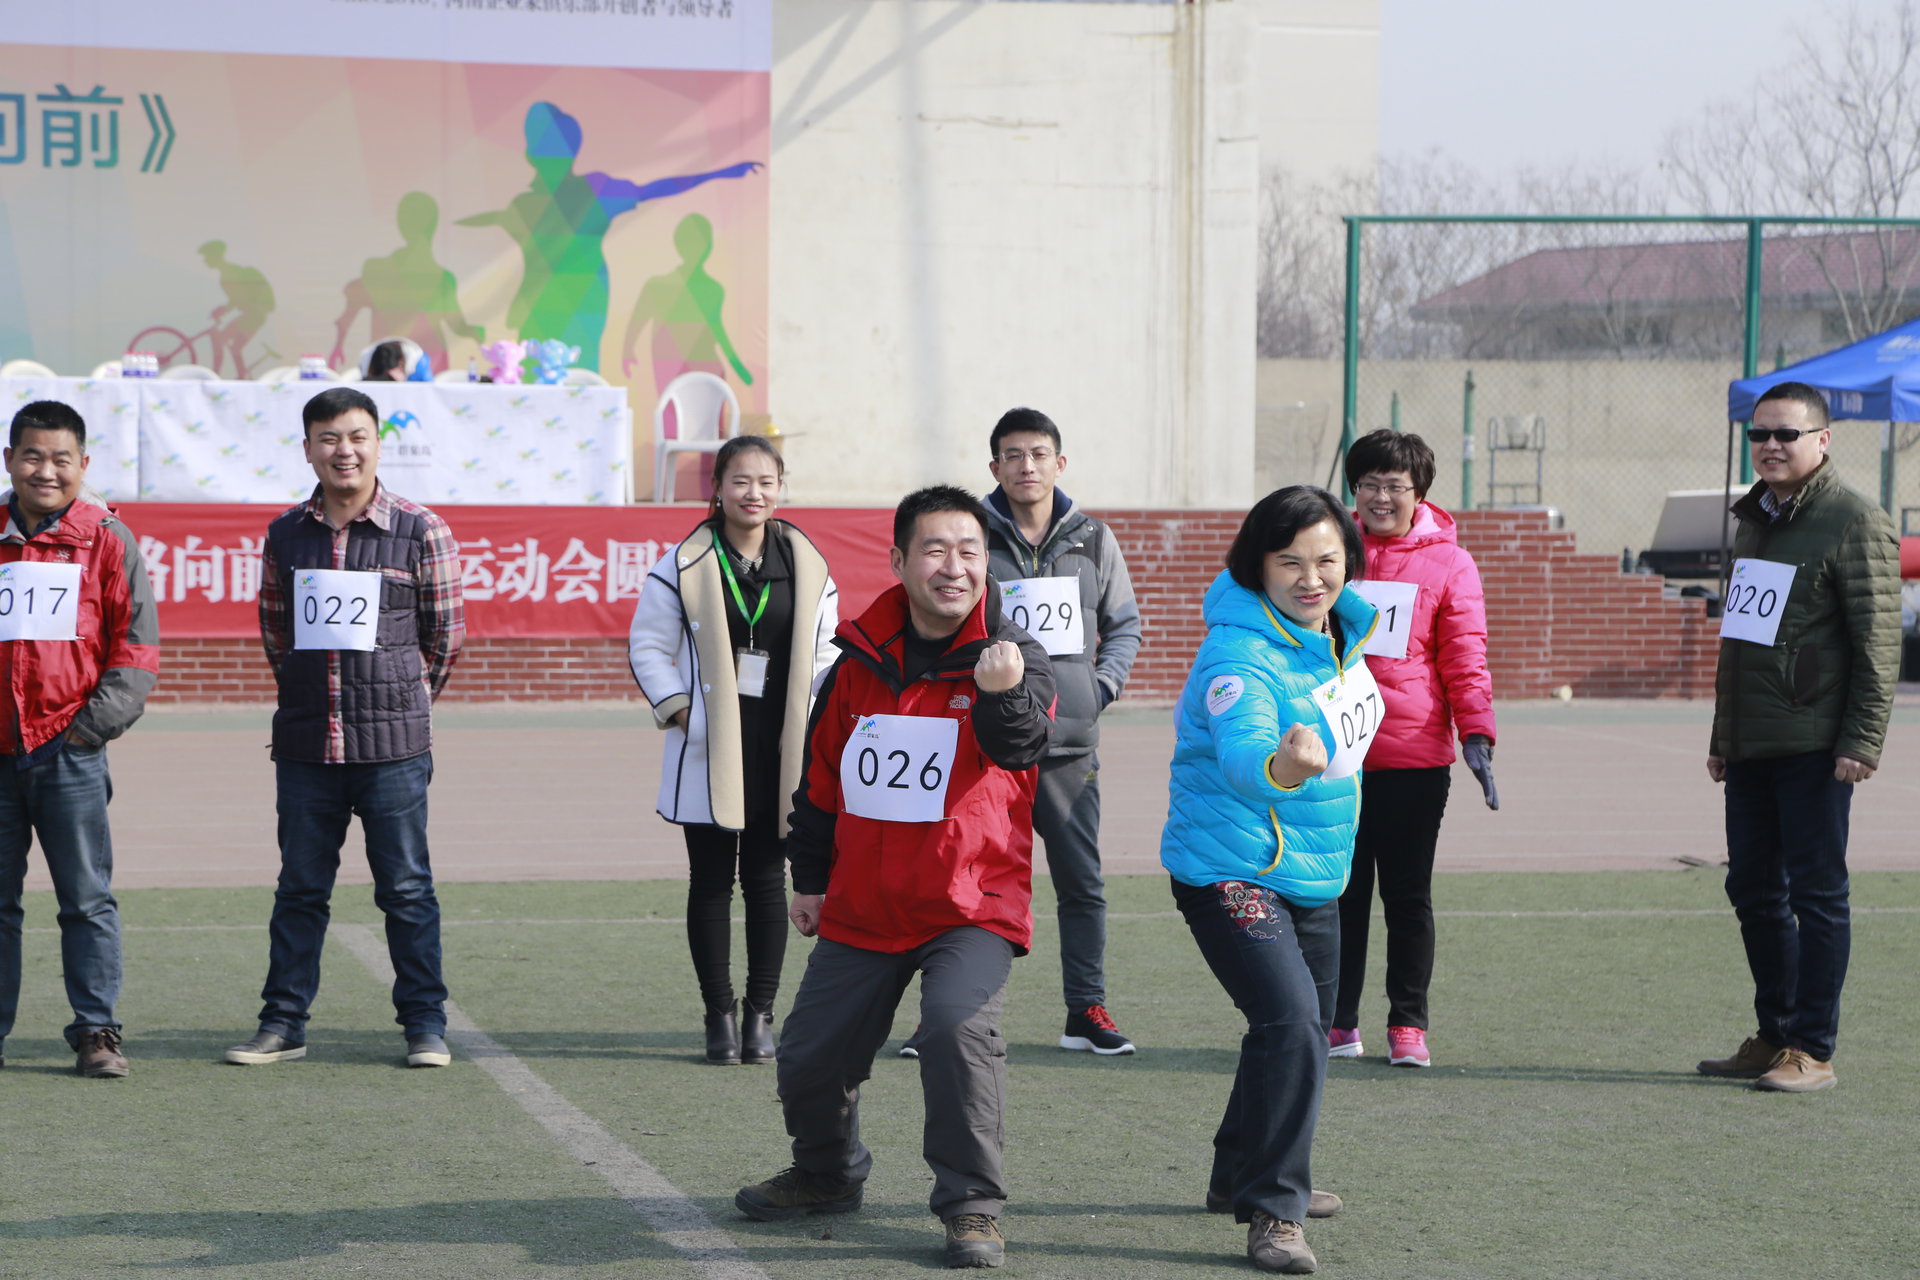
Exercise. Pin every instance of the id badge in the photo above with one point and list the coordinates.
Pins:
(750, 672)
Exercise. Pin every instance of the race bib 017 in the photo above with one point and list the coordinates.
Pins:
(39, 601)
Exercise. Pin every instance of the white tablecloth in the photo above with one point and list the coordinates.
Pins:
(166, 441)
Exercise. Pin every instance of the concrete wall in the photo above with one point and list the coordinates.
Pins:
(1318, 87)
(983, 205)
(1619, 434)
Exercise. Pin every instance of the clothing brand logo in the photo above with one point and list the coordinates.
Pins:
(1223, 693)
(959, 702)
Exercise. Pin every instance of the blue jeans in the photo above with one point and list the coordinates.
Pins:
(1787, 880)
(316, 801)
(63, 800)
(1280, 963)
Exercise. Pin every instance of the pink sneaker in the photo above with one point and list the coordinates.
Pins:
(1343, 1042)
(1407, 1047)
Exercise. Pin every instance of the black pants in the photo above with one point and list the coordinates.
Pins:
(713, 853)
(1400, 812)
(1787, 879)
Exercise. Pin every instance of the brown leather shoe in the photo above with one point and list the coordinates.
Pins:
(1276, 1245)
(1754, 1057)
(1797, 1072)
(100, 1057)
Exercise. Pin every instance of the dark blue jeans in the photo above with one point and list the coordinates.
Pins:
(316, 801)
(1787, 881)
(63, 800)
(1280, 963)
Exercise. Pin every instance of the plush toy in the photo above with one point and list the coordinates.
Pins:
(554, 357)
(503, 360)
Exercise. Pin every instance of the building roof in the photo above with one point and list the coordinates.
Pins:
(1680, 275)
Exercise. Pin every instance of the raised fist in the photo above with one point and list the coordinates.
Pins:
(1000, 667)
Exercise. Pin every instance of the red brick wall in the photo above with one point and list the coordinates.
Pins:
(1554, 617)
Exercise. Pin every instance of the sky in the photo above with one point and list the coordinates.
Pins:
(1502, 84)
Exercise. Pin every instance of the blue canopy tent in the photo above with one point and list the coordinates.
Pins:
(1876, 378)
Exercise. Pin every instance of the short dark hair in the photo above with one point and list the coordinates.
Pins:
(1800, 393)
(388, 356)
(336, 402)
(47, 415)
(1022, 420)
(1387, 450)
(931, 501)
(723, 458)
(1277, 519)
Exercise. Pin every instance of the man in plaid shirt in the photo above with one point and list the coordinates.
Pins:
(361, 616)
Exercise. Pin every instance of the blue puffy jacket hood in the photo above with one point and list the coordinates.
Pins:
(1253, 678)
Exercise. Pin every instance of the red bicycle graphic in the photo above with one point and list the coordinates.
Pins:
(170, 346)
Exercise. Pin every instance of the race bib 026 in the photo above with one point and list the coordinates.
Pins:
(896, 768)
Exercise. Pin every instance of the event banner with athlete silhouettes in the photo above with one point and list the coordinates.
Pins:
(237, 184)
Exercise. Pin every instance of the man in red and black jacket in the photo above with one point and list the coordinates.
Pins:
(79, 652)
(912, 851)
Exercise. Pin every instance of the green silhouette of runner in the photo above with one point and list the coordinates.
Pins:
(684, 308)
(561, 222)
(249, 296)
(409, 293)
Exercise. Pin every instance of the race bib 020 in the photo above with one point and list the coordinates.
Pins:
(1756, 597)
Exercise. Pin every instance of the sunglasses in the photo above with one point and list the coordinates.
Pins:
(1781, 435)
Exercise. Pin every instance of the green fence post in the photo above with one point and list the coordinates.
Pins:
(1750, 365)
(1393, 413)
(1466, 445)
(1350, 386)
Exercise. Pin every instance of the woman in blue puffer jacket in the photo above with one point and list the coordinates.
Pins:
(1264, 799)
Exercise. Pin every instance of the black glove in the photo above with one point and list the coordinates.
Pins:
(1479, 753)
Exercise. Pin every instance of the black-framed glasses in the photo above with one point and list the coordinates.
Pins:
(1781, 435)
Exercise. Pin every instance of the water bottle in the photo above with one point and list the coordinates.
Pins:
(473, 369)
(313, 368)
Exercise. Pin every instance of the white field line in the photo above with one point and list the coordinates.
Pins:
(674, 1217)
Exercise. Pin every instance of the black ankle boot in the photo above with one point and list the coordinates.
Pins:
(756, 1034)
(723, 1034)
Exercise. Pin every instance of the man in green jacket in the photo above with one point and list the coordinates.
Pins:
(1809, 653)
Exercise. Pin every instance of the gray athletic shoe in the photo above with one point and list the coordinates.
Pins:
(266, 1047)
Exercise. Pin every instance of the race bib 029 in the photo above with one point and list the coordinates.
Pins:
(1048, 609)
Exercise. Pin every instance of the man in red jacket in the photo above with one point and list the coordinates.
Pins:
(79, 652)
(912, 851)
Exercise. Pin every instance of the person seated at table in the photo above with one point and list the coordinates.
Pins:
(391, 361)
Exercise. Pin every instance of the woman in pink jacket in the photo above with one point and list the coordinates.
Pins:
(1429, 656)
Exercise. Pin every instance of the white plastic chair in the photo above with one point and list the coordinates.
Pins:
(279, 373)
(706, 415)
(189, 373)
(26, 369)
(450, 375)
(106, 369)
(583, 378)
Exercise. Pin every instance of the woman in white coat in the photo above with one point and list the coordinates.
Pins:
(730, 639)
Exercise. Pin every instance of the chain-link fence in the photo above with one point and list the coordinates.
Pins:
(1582, 365)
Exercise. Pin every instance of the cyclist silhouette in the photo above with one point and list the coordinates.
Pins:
(561, 222)
(249, 296)
(410, 294)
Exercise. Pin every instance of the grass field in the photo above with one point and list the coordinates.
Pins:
(1563, 1133)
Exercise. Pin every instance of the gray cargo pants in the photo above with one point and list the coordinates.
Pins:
(841, 1016)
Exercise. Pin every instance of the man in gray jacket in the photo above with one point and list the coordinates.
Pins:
(1061, 578)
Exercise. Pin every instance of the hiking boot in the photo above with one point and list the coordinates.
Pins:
(1407, 1047)
(1320, 1204)
(1797, 1072)
(1754, 1057)
(794, 1191)
(425, 1049)
(265, 1047)
(1344, 1042)
(1092, 1028)
(1276, 1245)
(723, 1034)
(974, 1240)
(756, 1034)
(99, 1056)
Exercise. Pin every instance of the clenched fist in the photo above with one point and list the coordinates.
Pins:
(1301, 755)
(1000, 667)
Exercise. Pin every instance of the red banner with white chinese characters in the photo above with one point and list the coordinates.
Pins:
(525, 571)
